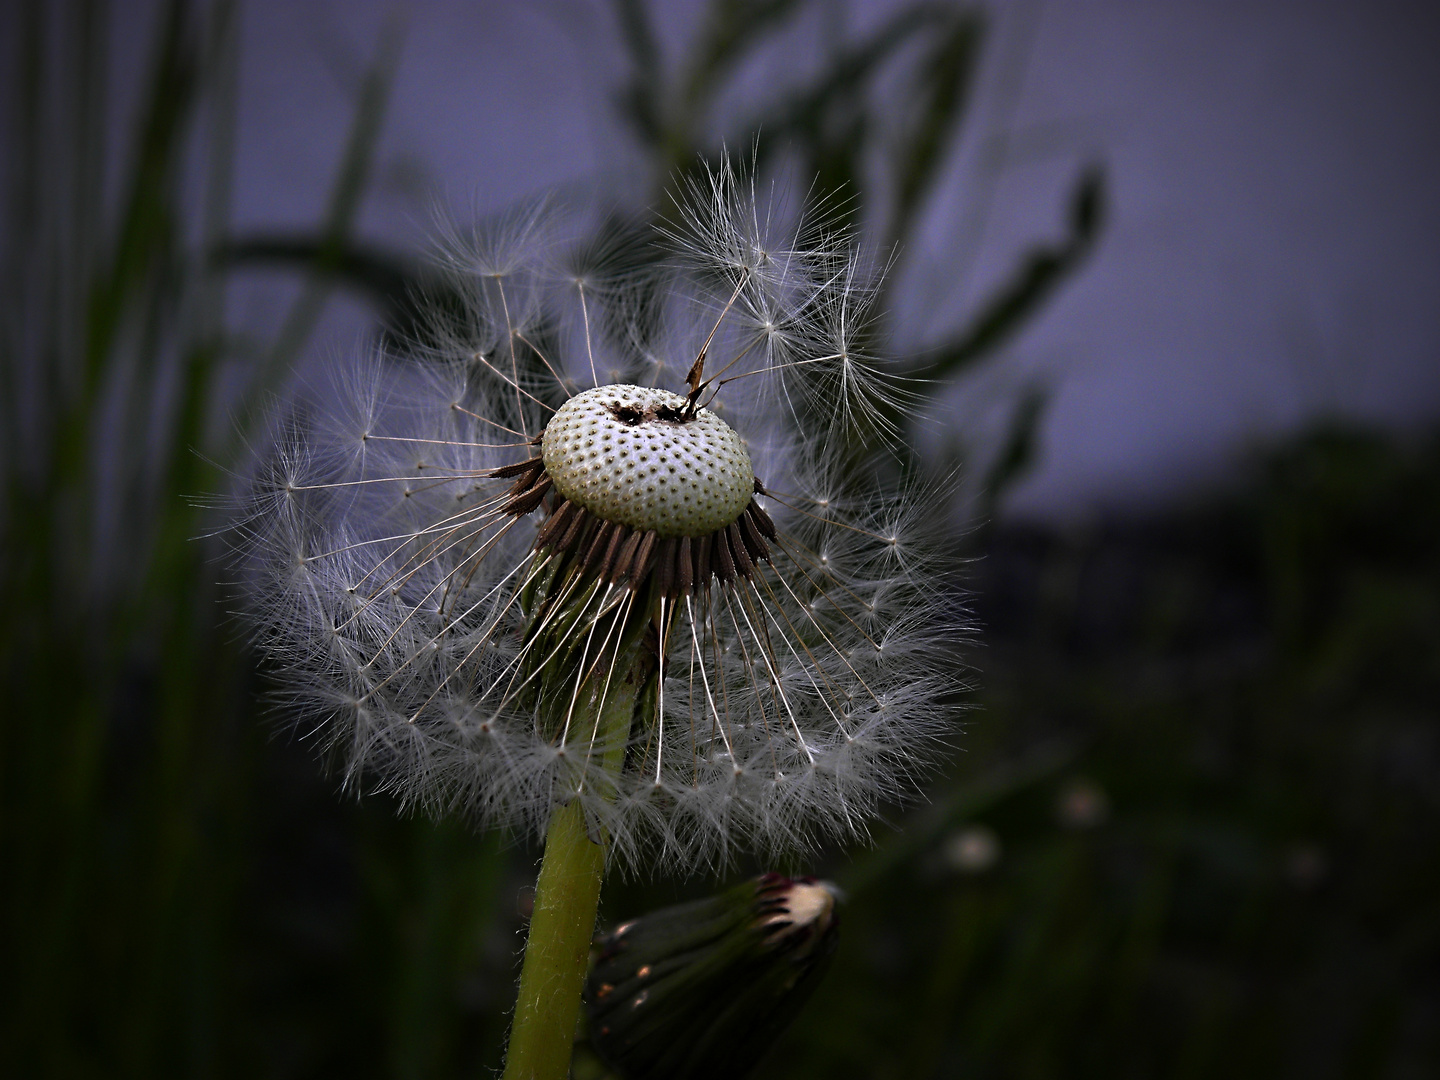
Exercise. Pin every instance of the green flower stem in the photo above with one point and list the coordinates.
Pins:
(567, 897)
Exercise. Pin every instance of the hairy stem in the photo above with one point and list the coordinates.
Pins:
(567, 896)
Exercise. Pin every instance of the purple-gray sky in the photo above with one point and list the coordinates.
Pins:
(1273, 249)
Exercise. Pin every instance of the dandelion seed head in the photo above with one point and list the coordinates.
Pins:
(456, 560)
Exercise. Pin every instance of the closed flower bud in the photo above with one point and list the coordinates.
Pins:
(700, 991)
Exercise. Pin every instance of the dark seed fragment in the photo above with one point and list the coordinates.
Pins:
(700, 554)
(684, 567)
(556, 523)
(600, 542)
(754, 542)
(506, 471)
(737, 551)
(665, 566)
(722, 562)
(579, 522)
(762, 520)
(526, 501)
(627, 555)
(640, 566)
(617, 538)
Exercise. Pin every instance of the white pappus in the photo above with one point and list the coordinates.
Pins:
(644, 484)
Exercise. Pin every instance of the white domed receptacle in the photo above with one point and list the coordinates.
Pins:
(632, 455)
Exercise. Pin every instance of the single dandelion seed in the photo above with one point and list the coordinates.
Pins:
(660, 620)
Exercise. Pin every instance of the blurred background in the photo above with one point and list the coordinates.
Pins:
(1171, 274)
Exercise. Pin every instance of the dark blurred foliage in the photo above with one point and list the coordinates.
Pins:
(1208, 755)
(1192, 831)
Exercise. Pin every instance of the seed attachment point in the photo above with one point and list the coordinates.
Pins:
(638, 485)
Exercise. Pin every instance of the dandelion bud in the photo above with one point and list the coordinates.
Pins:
(702, 990)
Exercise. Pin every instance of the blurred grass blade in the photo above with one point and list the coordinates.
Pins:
(640, 99)
(939, 95)
(1039, 275)
(351, 181)
(1017, 452)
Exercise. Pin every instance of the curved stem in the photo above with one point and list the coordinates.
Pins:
(567, 896)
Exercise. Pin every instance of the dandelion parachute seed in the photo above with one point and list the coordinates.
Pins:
(461, 560)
